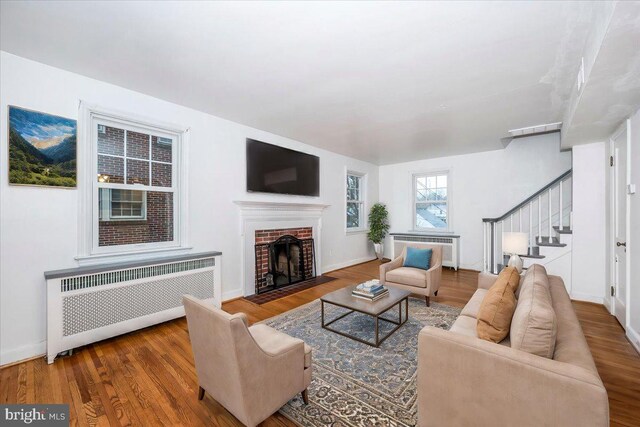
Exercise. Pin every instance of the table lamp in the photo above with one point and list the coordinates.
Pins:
(515, 244)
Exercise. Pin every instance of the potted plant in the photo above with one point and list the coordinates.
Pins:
(378, 227)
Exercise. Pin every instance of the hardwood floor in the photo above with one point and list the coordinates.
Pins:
(148, 378)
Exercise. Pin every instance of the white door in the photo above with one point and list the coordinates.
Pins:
(620, 227)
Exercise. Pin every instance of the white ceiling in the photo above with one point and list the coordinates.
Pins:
(379, 81)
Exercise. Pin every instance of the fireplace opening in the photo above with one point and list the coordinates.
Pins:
(286, 261)
(283, 262)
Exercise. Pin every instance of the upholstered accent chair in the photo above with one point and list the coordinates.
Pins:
(251, 371)
(414, 280)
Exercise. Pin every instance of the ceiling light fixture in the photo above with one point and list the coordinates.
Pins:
(549, 127)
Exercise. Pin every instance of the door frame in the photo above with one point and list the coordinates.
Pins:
(625, 126)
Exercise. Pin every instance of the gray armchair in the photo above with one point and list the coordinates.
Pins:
(414, 280)
(251, 371)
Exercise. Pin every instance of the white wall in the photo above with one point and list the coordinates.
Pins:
(485, 184)
(589, 244)
(38, 226)
(633, 329)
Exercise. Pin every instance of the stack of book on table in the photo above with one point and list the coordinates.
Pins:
(370, 291)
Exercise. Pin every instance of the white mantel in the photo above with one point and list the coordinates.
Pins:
(259, 215)
(260, 206)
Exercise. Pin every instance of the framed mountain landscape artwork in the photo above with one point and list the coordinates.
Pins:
(42, 149)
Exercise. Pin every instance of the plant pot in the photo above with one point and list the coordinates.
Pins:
(379, 248)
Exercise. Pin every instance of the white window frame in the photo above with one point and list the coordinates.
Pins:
(89, 250)
(414, 202)
(362, 201)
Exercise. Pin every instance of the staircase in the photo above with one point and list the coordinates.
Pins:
(546, 217)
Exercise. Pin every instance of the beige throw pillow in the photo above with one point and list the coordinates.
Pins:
(496, 309)
(511, 275)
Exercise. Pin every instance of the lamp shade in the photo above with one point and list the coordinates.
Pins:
(515, 243)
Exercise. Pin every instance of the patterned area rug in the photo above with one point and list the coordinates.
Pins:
(355, 384)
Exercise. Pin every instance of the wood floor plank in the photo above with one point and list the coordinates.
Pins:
(22, 383)
(148, 378)
(9, 384)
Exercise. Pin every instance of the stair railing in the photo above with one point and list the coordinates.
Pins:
(551, 206)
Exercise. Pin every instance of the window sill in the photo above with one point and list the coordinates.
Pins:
(349, 231)
(130, 256)
(430, 231)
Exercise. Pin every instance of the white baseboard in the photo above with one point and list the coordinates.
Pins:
(236, 293)
(22, 353)
(587, 298)
(476, 266)
(338, 266)
(634, 338)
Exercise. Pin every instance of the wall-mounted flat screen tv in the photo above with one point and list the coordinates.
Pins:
(274, 169)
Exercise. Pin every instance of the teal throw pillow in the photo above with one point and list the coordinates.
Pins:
(418, 258)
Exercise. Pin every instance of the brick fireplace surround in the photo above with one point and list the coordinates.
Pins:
(268, 236)
(271, 235)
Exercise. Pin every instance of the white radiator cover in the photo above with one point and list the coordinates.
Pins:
(85, 308)
(450, 246)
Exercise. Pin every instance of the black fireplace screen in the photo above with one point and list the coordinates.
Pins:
(284, 262)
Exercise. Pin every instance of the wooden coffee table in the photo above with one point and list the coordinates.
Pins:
(343, 298)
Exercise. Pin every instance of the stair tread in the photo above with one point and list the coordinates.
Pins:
(555, 245)
(564, 230)
(553, 242)
(532, 256)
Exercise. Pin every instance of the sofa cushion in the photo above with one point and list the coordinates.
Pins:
(408, 276)
(535, 274)
(473, 306)
(417, 258)
(534, 325)
(465, 325)
(571, 345)
(496, 311)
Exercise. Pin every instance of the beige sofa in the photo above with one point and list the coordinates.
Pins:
(467, 381)
(251, 371)
(414, 280)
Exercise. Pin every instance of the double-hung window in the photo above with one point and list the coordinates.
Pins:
(355, 201)
(431, 201)
(135, 187)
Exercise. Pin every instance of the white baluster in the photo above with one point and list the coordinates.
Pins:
(520, 220)
(484, 246)
(540, 218)
(560, 220)
(495, 248)
(502, 231)
(531, 225)
(550, 223)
